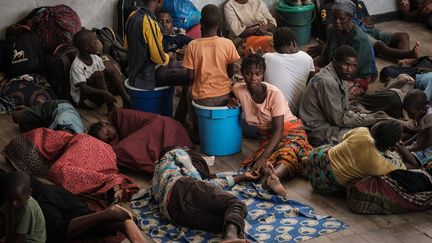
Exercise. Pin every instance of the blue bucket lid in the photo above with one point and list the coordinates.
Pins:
(282, 6)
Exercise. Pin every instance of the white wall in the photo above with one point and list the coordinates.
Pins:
(99, 13)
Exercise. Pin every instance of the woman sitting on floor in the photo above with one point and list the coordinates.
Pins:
(78, 162)
(137, 137)
(361, 153)
(250, 24)
(284, 141)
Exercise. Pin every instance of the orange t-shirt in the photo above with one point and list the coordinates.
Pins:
(209, 58)
(261, 115)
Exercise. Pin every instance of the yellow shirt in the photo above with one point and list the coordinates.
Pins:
(357, 157)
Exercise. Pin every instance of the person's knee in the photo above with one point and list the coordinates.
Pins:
(379, 46)
(400, 36)
(96, 79)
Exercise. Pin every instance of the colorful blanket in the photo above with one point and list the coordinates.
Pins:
(270, 218)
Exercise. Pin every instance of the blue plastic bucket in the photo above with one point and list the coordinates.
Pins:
(159, 100)
(219, 129)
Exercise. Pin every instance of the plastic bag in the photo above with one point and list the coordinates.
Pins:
(184, 13)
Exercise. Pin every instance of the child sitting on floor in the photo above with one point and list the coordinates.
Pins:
(284, 141)
(53, 114)
(21, 218)
(209, 62)
(420, 113)
(88, 85)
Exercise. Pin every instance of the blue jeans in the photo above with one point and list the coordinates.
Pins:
(424, 82)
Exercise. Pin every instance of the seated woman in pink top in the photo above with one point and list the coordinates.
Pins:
(284, 141)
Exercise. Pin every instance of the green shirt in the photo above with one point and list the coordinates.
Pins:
(358, 40)
(29, 221)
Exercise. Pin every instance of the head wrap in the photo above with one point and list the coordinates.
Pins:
(345, 5)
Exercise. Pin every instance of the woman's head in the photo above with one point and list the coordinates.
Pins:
(343, 10)
(253, 68)
(284, 38)
(386, 134)
(415, 103)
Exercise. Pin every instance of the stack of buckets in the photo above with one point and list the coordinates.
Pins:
(298, 18)
(159, 100)
(220, 129)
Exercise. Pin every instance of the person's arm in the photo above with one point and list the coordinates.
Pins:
(250, 31)
(422, 144)
(235, 26)
(426, 9)
(91, 91)
(278, 123)
(191, 75)
(230, 70)
(2, 226)
(153, 37)
(332, 107)
(407, 157)
(247, 176)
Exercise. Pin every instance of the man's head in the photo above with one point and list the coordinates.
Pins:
(386, 134)
(166, 21)
(211, 17)
(153, 5)
(345, 62)
(284, 37)
(415, 103)
(86, 41)
(343, 10)
(18, 189)
(103, 130)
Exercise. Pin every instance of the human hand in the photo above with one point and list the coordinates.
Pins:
(263, 30)
(427, 9)
(381, 115)
(109, 98)
(316, 49)
(250, 176)
(233, 103)
(258, 165)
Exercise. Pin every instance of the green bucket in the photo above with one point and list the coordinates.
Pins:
(298, 18)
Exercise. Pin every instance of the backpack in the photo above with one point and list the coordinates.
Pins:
(113, 45)
(58, 68)
(54, 25)
(25, 51)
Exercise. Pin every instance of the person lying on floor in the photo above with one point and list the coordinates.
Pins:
(324, 108)
(189, 196)
(137, 137)
(66, 216)
(420, 123)
(78, 162)
(88, 80)
(53, 114)
(284, 141)
(361, 153)
(389, 100)
(21, 218)
(417, 11)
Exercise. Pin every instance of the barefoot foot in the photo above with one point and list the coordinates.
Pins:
(415, 52)
(274, 184)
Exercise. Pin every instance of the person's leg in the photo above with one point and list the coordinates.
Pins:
(127, 227)
(182, 106)
(271, 181)
(400, 40)
(81, 224)
(116, 79)
(201, 205)
(391, 53)
(97, 81)
(429, 22)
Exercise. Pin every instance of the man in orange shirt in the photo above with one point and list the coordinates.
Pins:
(209, 63)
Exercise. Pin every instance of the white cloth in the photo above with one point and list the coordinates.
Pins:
(240, 16)
(289, 72)
(81, 72)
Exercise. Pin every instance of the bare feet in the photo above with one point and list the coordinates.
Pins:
(416, 50)
(274, 184)
(117, 213)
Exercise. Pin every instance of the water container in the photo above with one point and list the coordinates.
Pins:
(219, 129)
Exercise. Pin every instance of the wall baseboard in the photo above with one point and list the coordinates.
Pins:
(385, 17)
